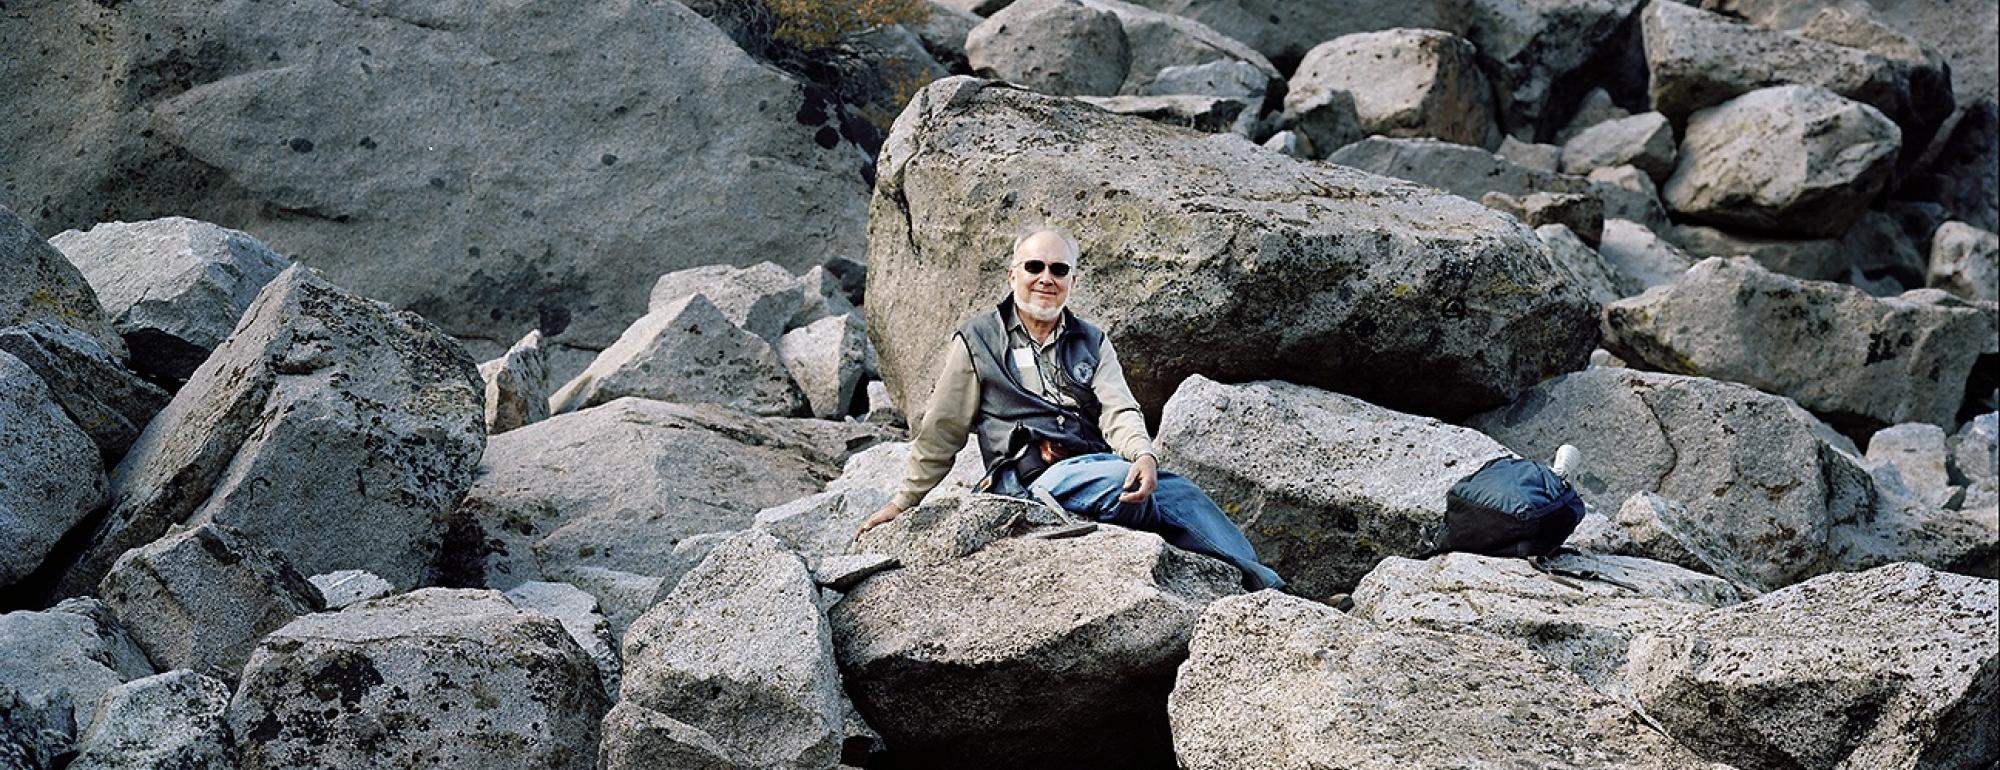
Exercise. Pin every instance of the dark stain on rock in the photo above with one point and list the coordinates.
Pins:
(346, 676)
(816, 106)
(300, 144)
(368, 143)
(211, 542)
(608, 159)
(551, 319)
(827, 137)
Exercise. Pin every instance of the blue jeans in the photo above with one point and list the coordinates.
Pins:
(1178, 511)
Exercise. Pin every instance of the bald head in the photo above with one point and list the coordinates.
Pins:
(1048, 245)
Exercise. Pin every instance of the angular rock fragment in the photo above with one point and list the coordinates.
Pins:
(1162, 40)
(452, 678)
(1228, 78)
(827, 360)
(1878, 250)
(517, 386)
(686, 352)
(1332, 484)
(577, 611)
(201, 598)
(329, 427)
(1600, 281)
(58, 662)
(1965, 261)
(1546, 158)
(1975, 458)
(1468, 172)
(882, 408)
(99, 394)
(1642, 256)
(1582, 213)
(1645, 141)
(937, 532)
(1796, 160)
(1661, 529)
(174, 288)
(53, 474)
(341, 588)
(1860, 361)
(762, 299)
(1538, 52)
(824, 524)
(1910, 458)
(1060, 47)
(822, 296)
(38, 284)
(171, 720)
(1813, 260)
(1892, 667)
(1278, 681)
(1405, 83)
(1630, 194)
(1102, 619)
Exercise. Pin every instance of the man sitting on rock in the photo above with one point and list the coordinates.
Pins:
(1043, 392)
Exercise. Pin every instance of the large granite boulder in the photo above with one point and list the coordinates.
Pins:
(1061, 47)
(1060, 653)
(173, 288)
(1578, 612)
(954, 527)
(1275, 681)
(1961, 37)
(1797, 160)
(162, 722)
(201, 598)
(1285, 31)
(1540, 54)
(520, 164)
(517, 385)
(332, 428)
(1770, 493)
(1859, 361)
(1160, 41)
(98, 393)
(1331, 484)
(741, 653)
(58, 663)
(440, 677)
(1975, 458)
(1191, 243)
(54, 476)
(1891, 668)
(687, 352)
(617, 486)
(38, 284)
(1965, 261)
(576, 609)
(1405, 83)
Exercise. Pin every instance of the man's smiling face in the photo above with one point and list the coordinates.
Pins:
(1041, 295)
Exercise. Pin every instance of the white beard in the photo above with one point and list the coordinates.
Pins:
(1045, 316)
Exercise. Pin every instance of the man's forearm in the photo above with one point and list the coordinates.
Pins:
(941, 434)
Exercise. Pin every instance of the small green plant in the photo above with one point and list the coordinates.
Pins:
(814, 24)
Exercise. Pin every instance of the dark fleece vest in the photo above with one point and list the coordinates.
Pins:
(1010, 416)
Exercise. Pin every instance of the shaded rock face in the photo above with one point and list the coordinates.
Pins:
(1391, 292)
(201, 598)
(455, 678)
(173, 288)
(1641, 256)
(1160, 41)
(1772, 500)
(54, 475)
(172, 720)
(1100, 619)
(58, 663)
(341, 588)
(1405, 82)
(1811, 259)
(329, 427)
(1600, 281)
(616, 486)
(741, 653)
(824, 524)
(99, 394)
(1863, 362)
(1331, 485)
(686, 352)
(491, 131)
(1902, 656)
(1797, 160)
(937, 532)
(38, 284)
(517, 386)
(1277, 681)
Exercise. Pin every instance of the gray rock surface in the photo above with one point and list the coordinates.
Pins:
(638, 738)
(1812, 259)
(1596, 107)
(1795, 160)
(1162, 40)
(1859, 360)
(510, 175)
(1228, 78)
(1060, 47)
(201, 598)
(1572, 620)
(1405, 83)
(741, 653)
(98, 393)
(622, 596)
(1330, 486)
(882, 409)
(1582, 213)
(577, 611)
(827, 360)
(1103, 619)
(1770, 498)
(54, 476)
(340, 588)
(1630, 194)
(1546, 158)
(173, 288)
(1211, 114)
(761, 299)
(1467, 172)
(1641, 256)
(844, 572)
(1945, 27)
(33, 735)
(455, 678)
(616, 486)
(1540, 52)
(686, 352)
(1281, 682)
(1911, 458)
(1975, 458)
(329, 427)
(1886, 668)
(1661, 529)
(38, 284)
(824, 524)
(1588, 270)
(1187, 242)
(170, 720)
(1965, 261)
(954, 527)
(58, 662)
(1878, 249)
(1645, 141)
(517, 386)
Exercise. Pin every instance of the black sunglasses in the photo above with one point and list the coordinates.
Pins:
(1034, 267)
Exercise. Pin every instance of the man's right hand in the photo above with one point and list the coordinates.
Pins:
(887, 514)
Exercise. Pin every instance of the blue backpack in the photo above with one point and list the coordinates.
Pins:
(1509, 507)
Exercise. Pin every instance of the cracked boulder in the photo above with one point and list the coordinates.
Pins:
(451, 678)
(201, 598)
(174, 288)
(1405, 83)
(686, 352)
(1893, 667)
(517, 386)
(98, 393)
(1791, 160)
(617, 486)
(1770, 494)
(741, 654)
(1332, 484)
(171, 720)
(332, 428)
(53, 475)
(1101, 619)
(827, 360)
(59, 662)
(38, 284)
(1276, 681)
(1185, 236)
(1862, 362)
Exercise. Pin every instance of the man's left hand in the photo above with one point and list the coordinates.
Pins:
(1146, 472)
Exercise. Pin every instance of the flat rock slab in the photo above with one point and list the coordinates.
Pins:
(1276, 681)
(455, 678)
(1392, 292)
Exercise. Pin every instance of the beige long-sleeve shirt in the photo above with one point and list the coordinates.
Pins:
(955, 402)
